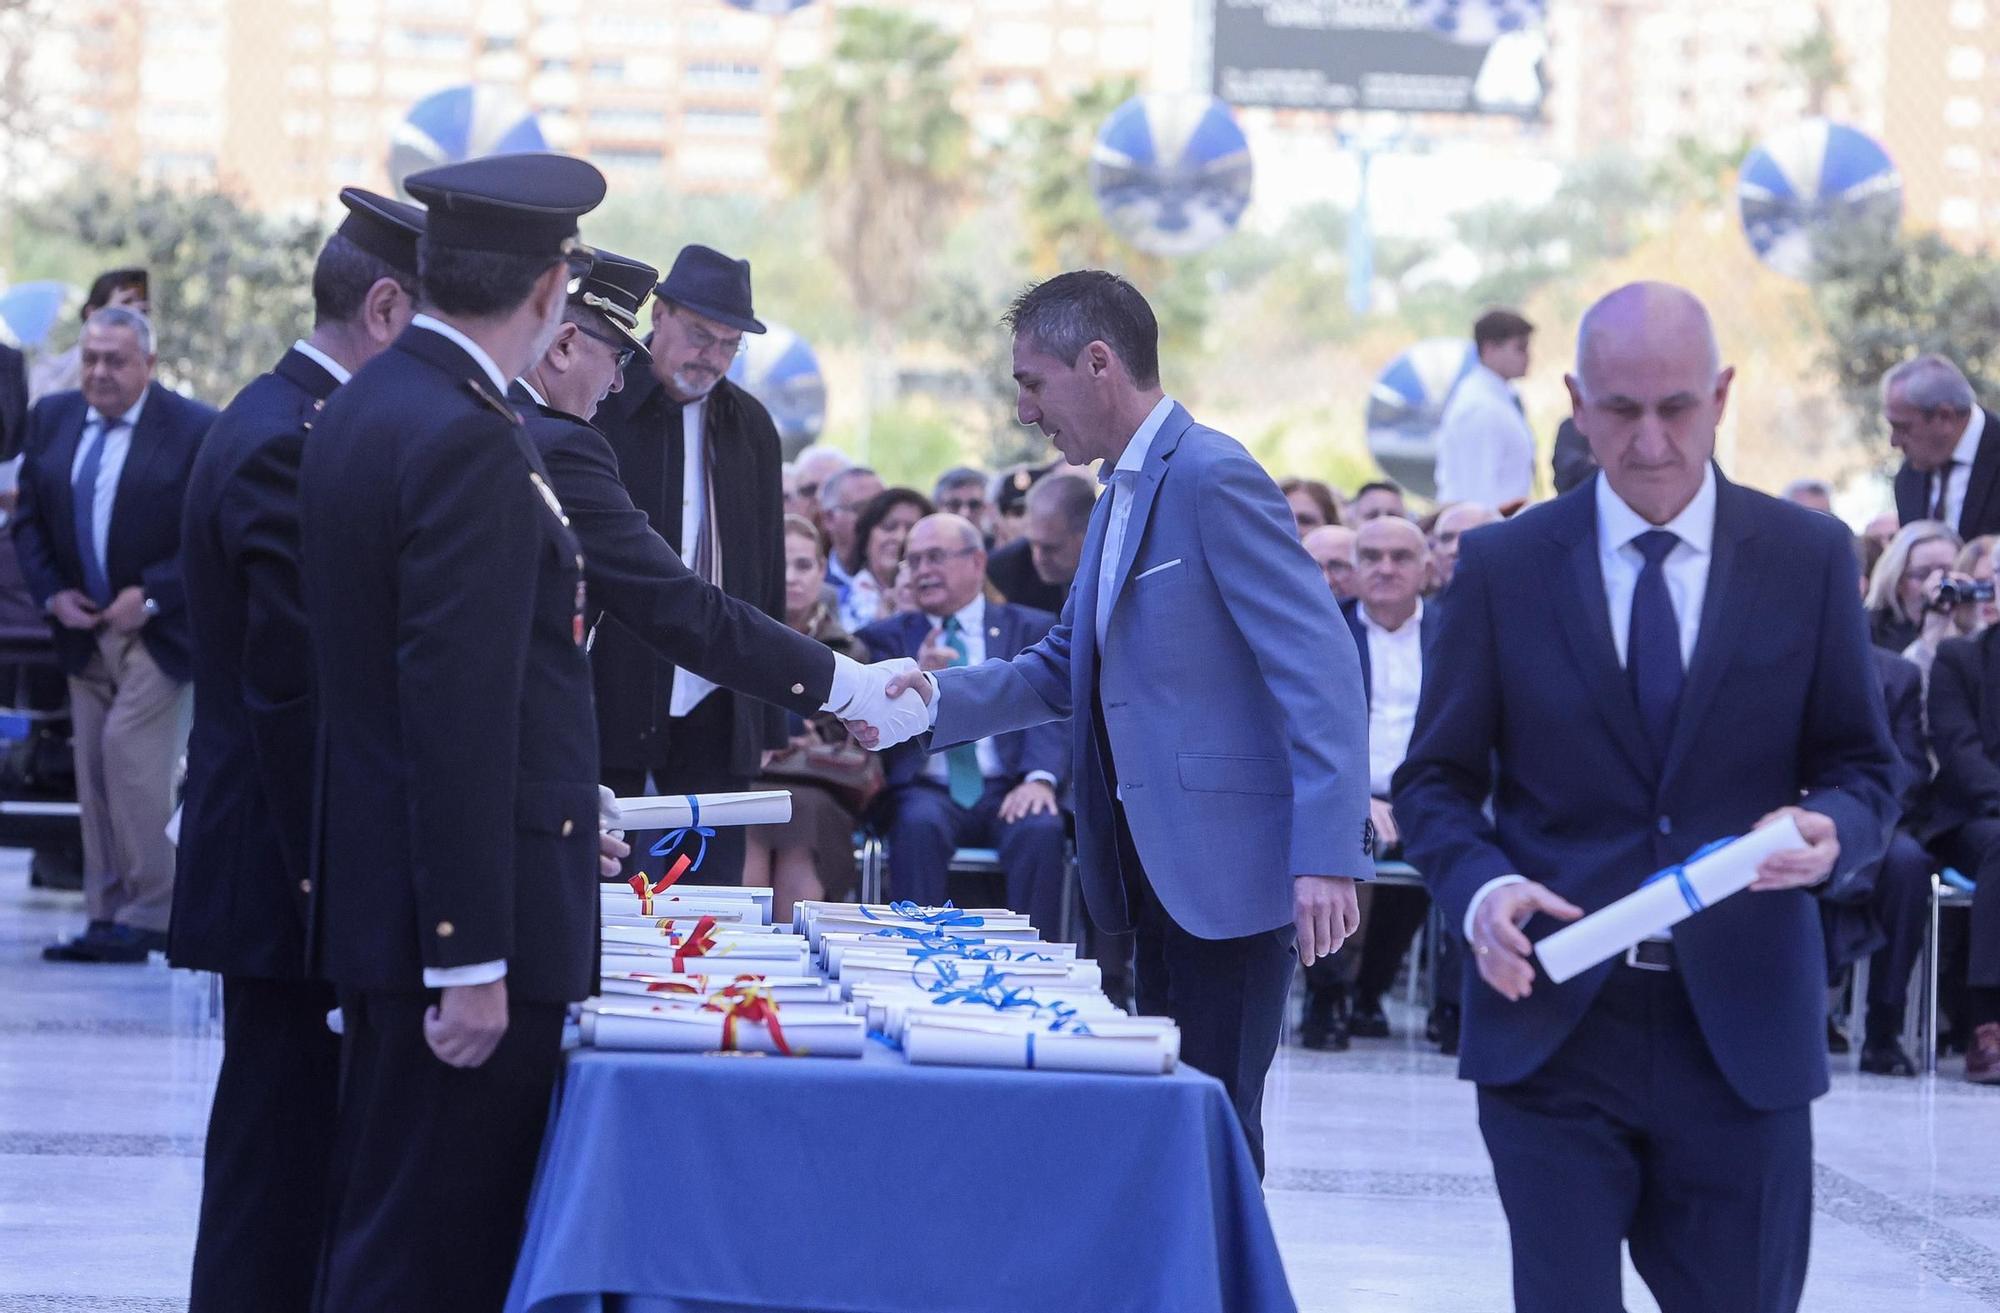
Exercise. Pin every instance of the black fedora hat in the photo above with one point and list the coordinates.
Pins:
(712, 285)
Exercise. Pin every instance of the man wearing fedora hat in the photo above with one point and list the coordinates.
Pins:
(700, 457)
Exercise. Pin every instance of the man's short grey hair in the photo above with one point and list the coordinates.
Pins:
(1068, 495)
(1807, 487)
(829, 492)
(1931, 382)
(124, 316)
(960, 477)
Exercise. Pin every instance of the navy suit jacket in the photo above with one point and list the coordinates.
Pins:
(1965, 731)
(240, 897)
(1010, 631)
(1525, 702)
(144, 545)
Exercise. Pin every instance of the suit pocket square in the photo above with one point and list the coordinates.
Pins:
(1164, 565)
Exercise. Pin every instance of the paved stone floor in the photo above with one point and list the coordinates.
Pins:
(1379, 1188)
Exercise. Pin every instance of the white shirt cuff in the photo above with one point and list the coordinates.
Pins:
(934, 697)
(477, 973)
(847, 683)
(1472, 908)
(1042, 776)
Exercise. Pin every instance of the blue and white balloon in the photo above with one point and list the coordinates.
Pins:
(1810, 181)
(1172, 172)
(1406, 405)
(29, 311)
(1479, 22)
(461, 123)
(781, 371)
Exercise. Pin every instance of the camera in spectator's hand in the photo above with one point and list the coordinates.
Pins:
(1958, 592)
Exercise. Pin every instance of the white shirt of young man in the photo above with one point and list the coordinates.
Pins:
(1686, 570)
(690, 688)
(1395, 680)
(1486, 451)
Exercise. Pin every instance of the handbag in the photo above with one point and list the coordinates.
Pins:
(851, 773)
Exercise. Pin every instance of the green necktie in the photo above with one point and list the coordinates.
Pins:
(968, 784)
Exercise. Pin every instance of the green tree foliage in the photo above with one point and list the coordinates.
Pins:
(230, 289)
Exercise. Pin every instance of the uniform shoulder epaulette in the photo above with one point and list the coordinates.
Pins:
(512, 415)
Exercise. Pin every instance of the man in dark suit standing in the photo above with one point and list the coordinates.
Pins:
(1001, 792)
(633, 575)
(13, 402)
(700, 457)
(1037, 569)
(1715, 637)
(455, 838)
(98, 530)
(1950, 472)
(243, 885)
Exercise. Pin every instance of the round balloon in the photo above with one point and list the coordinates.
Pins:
(1406, 404)
(781, 371)
(28, 311)
(1171, 172)
(1810, 181)
(778, 7)
(1479, 22)
(461, 123)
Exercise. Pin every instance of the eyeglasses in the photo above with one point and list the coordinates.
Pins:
(624, 350)
(963, 505)
(704, 341)
(935, 557)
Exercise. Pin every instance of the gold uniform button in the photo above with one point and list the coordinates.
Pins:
(305, 886)
(798, 689)
(445, 929)
(569, 828)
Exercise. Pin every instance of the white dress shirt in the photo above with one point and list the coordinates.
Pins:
(110, 468)
(1686, 570)
(473, 973)
(1959, 477)
(1120, 477)
(1486, 451)
(339, 371)
(533, 395)
(1395, 679)
(690, 688)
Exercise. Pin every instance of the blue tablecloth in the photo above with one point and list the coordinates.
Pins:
(687, 1184)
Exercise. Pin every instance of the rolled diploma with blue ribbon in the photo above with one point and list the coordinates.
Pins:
(673, 812)
(1139, 1046)
(1665, 900)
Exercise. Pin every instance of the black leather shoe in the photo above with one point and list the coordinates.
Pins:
(122, 945)
(1445, 1020)
(1886, 1059)
(79, 948)
(1368, 1021)
(1324, 1034)
(1836, 1038)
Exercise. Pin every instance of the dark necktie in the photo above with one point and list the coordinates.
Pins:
(1943, 482)
(83, 493)
(1653, 643)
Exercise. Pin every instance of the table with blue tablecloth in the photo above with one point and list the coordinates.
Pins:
(722, 1184)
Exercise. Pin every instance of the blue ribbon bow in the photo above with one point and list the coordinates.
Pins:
(673, 838)
(1678, 873)
(943, 916)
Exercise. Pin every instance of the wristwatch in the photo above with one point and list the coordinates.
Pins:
(150, 607)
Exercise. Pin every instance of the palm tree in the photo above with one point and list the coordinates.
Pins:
(873, 133)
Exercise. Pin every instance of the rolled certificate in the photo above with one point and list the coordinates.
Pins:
(946, 973)
(682, 922)
(653, 984)
(768, 807)
(1664, 901)
(708, 1032)
(834, 948)
(1139, 1047)
(671, 1005)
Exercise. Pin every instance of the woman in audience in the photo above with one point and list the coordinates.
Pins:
(1917, 559)
(878, 544)
(1313, 506)
(812, 855)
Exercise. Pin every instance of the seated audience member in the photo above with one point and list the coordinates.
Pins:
(1312, 503)
(1882, 528)
(1392, 628)
(812, 855)
(1036, 569)
(999, 793)
(1376, 499)
(904, 599)
(1899, 591)
(1964, 703)
(1332, 549)
(1009, 496)
(878, 545)
(810, 471)
(842, 497)
(1813, 494)
(962, 492)
(1446, 529)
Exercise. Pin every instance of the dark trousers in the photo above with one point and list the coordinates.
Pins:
(270, 1139)
(1631, 1134)
(1901, 905)
(433, 1162)
(1974, 848)
(697, 761)
(925, 826)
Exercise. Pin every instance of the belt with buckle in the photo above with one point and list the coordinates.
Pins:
(1651, 955)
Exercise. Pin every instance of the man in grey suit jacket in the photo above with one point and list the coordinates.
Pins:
(1219, 749)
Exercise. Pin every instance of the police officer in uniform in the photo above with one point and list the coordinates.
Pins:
(241, 890)
(454, 842)
(633, 573)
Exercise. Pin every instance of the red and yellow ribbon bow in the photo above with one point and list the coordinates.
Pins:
(751, 1003)
(646, 889)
